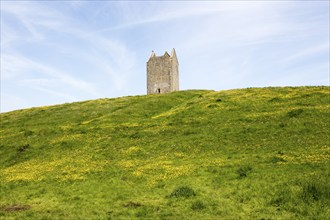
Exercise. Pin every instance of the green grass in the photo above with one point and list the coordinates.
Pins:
(256, 153)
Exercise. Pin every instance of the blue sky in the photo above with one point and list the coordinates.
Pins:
(55, 52)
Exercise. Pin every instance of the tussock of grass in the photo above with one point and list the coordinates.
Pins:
(243, 171)
(197, 205)
(295, 113)
(182, 192)
(315, 190)
(256, 153)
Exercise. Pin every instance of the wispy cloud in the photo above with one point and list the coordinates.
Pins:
(88, 49)
(18, 66)
(34, 17)
(12, 102)
(28, 23)
(308, 52)
(164, 12)
(67, 97)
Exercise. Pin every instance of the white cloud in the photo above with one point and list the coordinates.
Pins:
(10, 102)
(133, 14)
(34, 17)
(307, 52)
(80, 50)
(15, 66)
(113, 58)
(67, 97)
(107, 56)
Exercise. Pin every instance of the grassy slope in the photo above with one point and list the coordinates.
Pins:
(256, 153)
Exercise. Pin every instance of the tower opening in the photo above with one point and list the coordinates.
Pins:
(158, 91)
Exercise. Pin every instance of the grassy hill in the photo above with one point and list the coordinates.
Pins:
(250, 153)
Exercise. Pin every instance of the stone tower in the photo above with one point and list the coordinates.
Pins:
(162, 73)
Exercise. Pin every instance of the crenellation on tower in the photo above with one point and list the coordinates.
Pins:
(162, 73)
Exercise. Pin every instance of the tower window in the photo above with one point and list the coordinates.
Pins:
(158, 90)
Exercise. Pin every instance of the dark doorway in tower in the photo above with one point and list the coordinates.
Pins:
(158, 91)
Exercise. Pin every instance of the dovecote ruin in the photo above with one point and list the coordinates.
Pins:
(162, 73)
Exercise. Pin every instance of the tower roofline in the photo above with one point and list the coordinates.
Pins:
(153, 54)
(173, 56)
(173, 53)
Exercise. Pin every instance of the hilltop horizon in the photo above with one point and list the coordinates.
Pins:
(97, 98)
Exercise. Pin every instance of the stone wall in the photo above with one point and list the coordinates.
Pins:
(162, 73)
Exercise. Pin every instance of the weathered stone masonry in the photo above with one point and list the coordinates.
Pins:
(162, 73)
